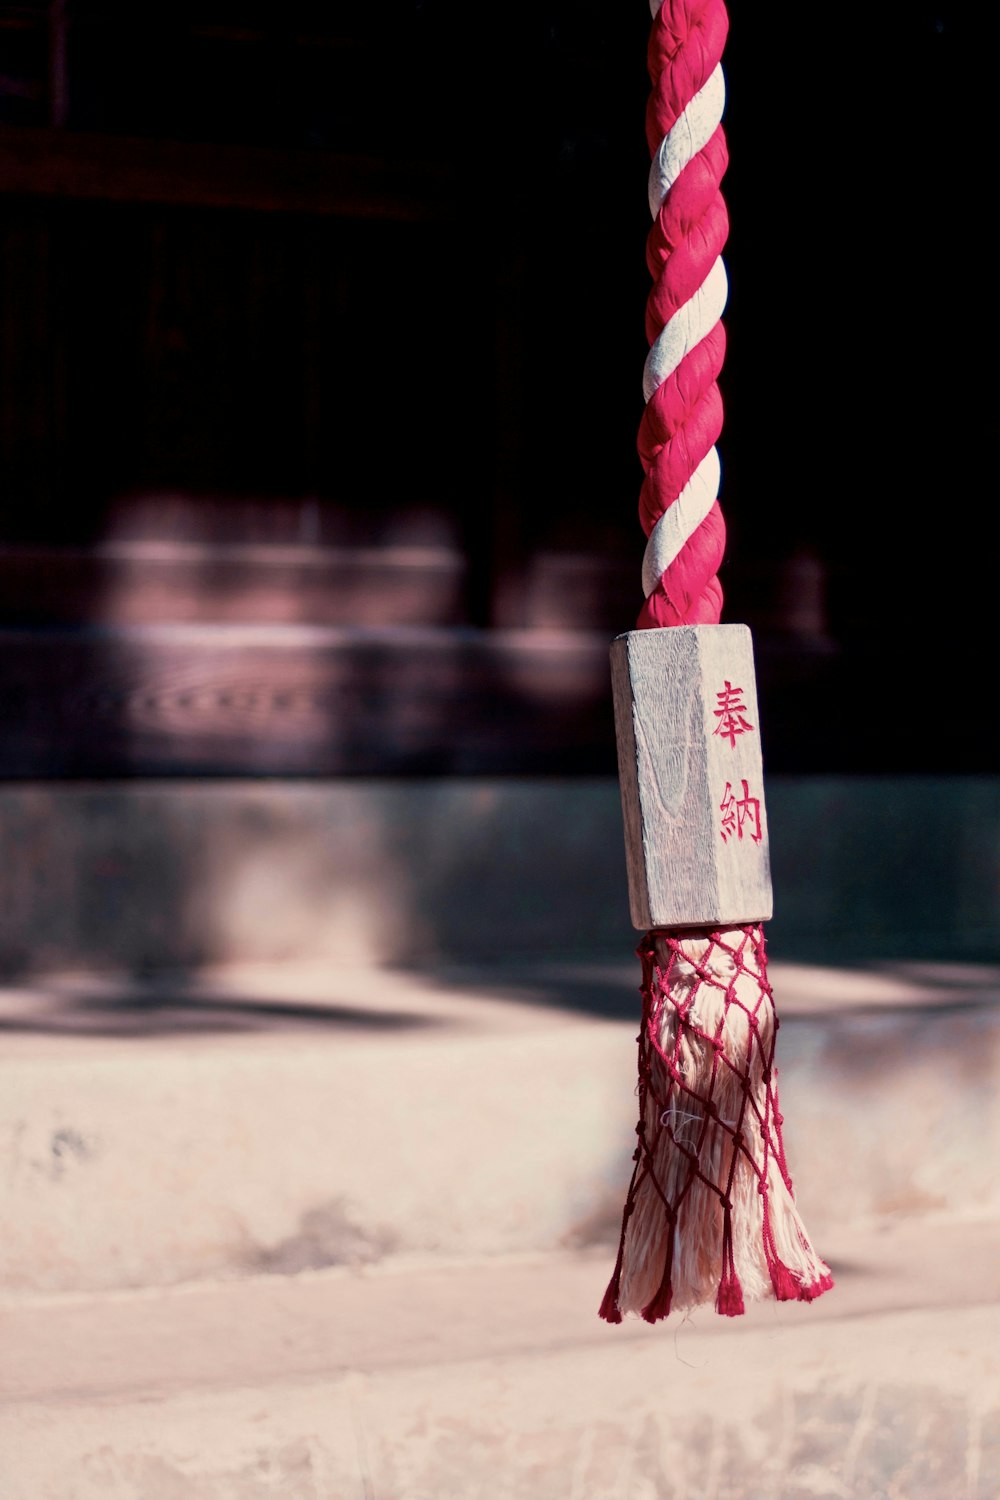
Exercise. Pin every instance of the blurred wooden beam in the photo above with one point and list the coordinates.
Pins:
(141, 583)
(232, 700)
(61, 164)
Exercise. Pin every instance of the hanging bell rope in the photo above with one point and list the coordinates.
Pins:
(710, 1214)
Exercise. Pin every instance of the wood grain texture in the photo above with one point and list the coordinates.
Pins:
(691, 772)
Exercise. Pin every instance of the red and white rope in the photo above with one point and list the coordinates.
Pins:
(679, 506)
(710, 1210)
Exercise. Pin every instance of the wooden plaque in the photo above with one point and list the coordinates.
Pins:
(689, 760)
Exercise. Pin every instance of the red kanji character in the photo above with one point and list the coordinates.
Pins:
(730, 714)
(738, 811)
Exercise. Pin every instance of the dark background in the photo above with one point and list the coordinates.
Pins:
(321, 333)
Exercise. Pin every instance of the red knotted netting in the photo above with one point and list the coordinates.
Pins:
(710, 1211)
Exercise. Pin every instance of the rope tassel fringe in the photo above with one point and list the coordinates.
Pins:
(710, 1214)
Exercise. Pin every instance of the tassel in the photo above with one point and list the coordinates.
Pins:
(729, 1299)
(710, 1214)
(609, 1309)
(786, 1288)
(659, 1304)
(659, 1307)
(815, 1288)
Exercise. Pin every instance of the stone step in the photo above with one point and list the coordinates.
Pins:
(277, 1120)
(467, 1380)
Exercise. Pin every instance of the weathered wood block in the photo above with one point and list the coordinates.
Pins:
(689, 760)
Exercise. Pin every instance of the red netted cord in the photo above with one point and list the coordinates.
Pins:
(709, 1121)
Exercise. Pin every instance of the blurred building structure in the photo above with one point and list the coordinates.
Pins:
(322, 336)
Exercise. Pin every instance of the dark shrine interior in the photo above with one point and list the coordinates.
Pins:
(322, 340)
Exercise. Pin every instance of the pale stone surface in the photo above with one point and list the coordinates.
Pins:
(496, 1381)
(311, 1110)
(202, 1152)
(279, 1120)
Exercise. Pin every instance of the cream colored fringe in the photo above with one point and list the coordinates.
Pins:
(697, 1262)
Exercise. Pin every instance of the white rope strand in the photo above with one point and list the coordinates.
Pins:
(681, 520)
(688, 135)
(688, 326)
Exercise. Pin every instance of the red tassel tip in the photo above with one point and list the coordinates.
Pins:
(659, 1306)
(810, 1293)
(786, 1288)
(609, 1309)
(729, 1301)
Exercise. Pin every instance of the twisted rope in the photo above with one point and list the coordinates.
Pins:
(710, 1212)
(678, 505)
